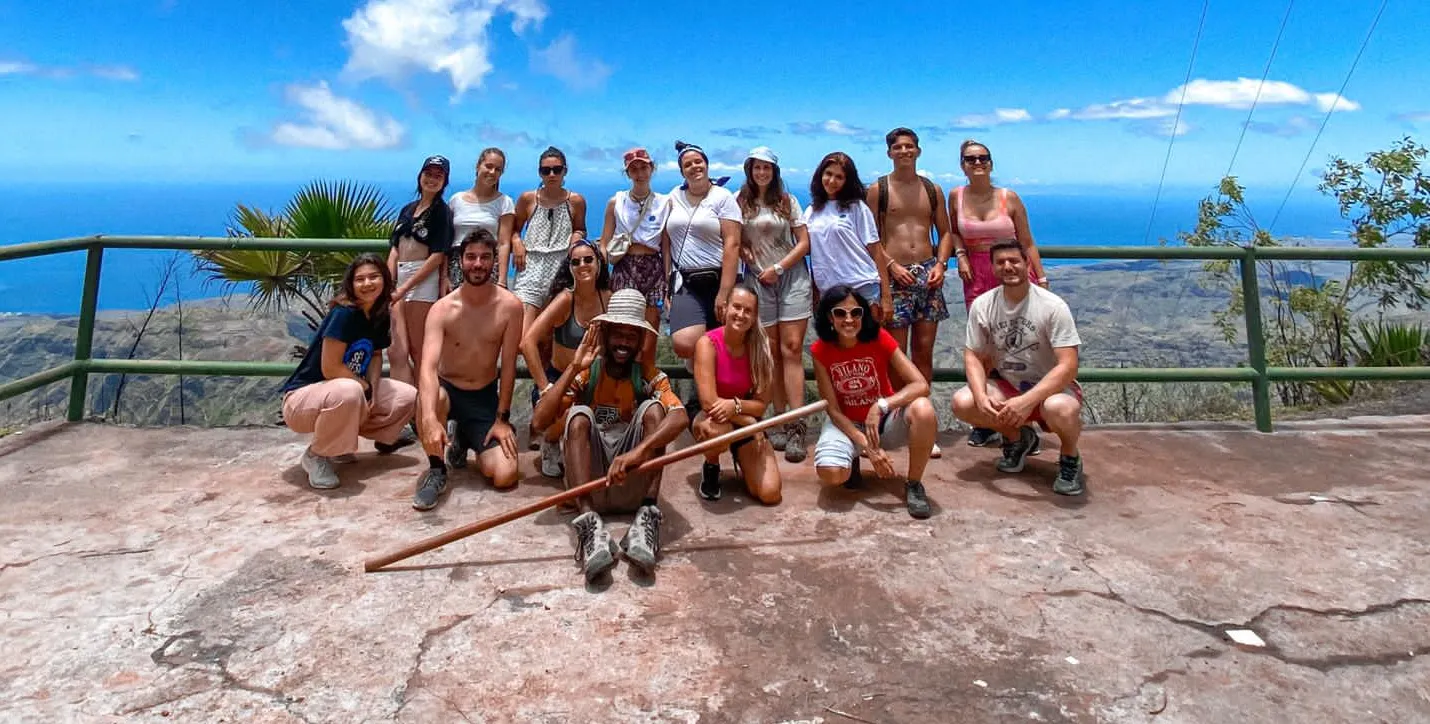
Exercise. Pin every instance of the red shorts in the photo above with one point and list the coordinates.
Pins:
(1009, 390)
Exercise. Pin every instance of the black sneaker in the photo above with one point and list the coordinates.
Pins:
(1070, 478)
(710, 481)
(641, 543)
(856, 478)
(1037, 443)
(593, 545)
(1015, 453)
(983, 437)
(429, 488)
(917, 500)
(407, 437)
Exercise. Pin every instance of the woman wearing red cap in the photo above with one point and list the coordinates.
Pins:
(630, 238)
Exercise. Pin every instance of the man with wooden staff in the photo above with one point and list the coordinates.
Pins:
(620, 412)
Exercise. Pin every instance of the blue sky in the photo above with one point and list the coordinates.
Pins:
(1065, 94)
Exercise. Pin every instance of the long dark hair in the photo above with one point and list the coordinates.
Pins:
(564, 279)
(483, 155)
(853, 188)
(347, 295)
(824, 325)
(774, 195)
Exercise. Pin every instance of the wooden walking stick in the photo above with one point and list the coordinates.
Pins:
(459, 533)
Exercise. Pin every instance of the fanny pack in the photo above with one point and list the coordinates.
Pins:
(704, 282)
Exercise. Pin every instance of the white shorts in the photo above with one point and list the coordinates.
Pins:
(427, 290)
(835, 450)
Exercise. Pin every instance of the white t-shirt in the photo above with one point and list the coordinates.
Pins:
(643, 226)
(1020, 338)
(838, 245)
(468, 216)
(695, 239)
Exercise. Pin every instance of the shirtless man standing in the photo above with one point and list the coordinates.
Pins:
(471, 330)
(908, 208)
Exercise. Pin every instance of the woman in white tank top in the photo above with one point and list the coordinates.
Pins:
(636, 217)
(483, 206)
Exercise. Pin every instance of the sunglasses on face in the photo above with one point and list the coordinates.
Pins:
(581, 261)
(848, 312)
(977, 159)
(552, 170)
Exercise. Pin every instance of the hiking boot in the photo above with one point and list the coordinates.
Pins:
(1015, 453)
(777, 436)
(794, 442)
(429, 488)
(710, 481)
(552, 466)
(983, 437)
(1070, 478)
(917, 500)
(593, 545)
(320, 471)
(641, 543)
(456, 454)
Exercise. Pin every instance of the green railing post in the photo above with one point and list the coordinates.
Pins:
(84, 337)
(1255, 339)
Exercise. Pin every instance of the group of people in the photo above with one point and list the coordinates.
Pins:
(738, 277)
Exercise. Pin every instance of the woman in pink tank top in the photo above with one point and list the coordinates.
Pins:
(982, 215)
(734, 375)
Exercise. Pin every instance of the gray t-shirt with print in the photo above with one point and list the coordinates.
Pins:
(1020, 338)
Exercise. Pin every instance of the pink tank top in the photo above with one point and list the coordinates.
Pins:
(979, 234)
(732, 374)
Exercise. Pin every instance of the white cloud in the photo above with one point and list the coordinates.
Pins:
(115, 72)
(562, 60)
(830, 127)
(335, 123)
(18, 68)
(1060, 114)
(1242, 92)
(1326, 102)
(999, 117)
(391, 38)
(107, 72)
(1130, 108)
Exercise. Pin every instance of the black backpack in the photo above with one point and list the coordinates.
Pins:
(929, 187)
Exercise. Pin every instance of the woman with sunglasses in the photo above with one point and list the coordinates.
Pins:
(854, 362)
(844, 248)
(702, 246)
(419, 242)
(774, 244)
(983, 214)
(579, 293)
(552, 219)
(734, 376)
(483, 206)
(634, 221)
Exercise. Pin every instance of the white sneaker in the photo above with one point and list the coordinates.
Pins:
(552, 466)
(320, 471)
(936, 453)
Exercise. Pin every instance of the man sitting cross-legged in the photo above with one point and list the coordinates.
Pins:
(619, 412)
(1026, 335)
(468, 332)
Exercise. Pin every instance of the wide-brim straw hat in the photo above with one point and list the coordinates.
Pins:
(626, 308)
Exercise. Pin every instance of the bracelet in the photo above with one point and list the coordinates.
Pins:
(891, 263)
(960, 252)
(737, 407)
(1042, 280)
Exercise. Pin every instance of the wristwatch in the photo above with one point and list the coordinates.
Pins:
(883, 405)
(779, 270)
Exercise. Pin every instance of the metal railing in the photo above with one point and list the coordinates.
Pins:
(1257, 372)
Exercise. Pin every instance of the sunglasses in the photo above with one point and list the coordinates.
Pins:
(552, 170)
(848, 312)
(581, 261)
(976, 159)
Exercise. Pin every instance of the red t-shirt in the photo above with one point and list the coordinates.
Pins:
(860, 373)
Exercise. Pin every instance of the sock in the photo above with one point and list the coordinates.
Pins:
(648, 501)
(437, 463)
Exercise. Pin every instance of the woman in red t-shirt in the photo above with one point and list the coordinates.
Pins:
(854, 362)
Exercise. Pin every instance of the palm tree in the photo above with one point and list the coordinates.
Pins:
(287, 279)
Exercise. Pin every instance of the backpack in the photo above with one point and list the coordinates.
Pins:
(637, 380)
(929, 187)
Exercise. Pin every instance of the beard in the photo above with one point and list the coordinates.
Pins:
(477, 277)
(621, 356)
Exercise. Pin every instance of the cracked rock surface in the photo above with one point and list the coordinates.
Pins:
(184, 574)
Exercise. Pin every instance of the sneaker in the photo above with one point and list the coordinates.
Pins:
(710, 481)
(983, 437)
(1037, 443)
(856, 478)
(641, 543)
(320, 471)
(1070, 478)
(344, 459)
(408, 436)
(777, 436)
(917, 500)
(936, 453)
(456, 454)
(429, 488)
(593, 545)
(552, 466)
(794, 442)
(1015, 453)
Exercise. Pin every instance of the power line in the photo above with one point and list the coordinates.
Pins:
(1332, 109)
(1265, 73)
(1176, 122)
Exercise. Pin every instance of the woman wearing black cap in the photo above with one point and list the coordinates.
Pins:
(419, 247)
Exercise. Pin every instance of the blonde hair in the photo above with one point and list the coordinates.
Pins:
(757, 348)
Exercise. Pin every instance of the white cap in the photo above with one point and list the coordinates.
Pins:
(763, 153)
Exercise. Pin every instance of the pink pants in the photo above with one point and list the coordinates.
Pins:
(336, 413)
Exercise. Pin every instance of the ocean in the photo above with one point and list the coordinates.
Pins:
(52, 285)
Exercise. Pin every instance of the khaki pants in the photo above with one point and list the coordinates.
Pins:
(608, 442)
(336, 413)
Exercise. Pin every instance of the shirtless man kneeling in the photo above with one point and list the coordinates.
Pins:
(471, 330)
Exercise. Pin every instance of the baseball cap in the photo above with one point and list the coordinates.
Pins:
(439, 161)
(637, 154)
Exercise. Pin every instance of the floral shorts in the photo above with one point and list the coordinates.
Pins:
(645, 273)
(916, 302)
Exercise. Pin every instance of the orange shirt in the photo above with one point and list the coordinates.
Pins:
(614, 400)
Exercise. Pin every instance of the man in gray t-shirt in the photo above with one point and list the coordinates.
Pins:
(1020, 358)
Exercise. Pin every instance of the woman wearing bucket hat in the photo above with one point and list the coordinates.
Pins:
(419, 243)
(702, 241)
(630, 237)
(774, 243)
